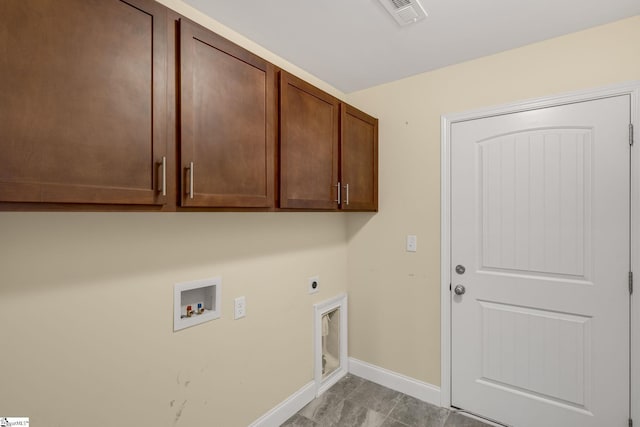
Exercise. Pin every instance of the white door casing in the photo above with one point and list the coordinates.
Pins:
(540, 219)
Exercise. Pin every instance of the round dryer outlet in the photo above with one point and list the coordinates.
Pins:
(314, 284)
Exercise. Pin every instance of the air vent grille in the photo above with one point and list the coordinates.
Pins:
(405, 12)
(401, 3)
(408, 14)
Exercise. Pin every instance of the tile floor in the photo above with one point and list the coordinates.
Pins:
(355, 402)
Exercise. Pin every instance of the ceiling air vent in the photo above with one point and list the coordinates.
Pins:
(405, 12)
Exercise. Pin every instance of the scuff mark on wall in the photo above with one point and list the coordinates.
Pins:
(179, 413)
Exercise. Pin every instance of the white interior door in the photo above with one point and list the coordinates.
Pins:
(540, 221)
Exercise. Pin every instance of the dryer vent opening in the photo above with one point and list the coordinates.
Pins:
(330, 354)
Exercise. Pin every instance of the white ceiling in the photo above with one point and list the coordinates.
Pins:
(356, 44)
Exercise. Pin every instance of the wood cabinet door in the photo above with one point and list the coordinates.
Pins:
(82, 101)
(359, 160)
(227, 132)
(308, 145)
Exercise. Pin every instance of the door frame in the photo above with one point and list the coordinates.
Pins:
(629, 88)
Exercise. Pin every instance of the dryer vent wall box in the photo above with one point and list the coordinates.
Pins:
(196, 302)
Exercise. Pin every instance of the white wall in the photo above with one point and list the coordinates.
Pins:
(394, 296)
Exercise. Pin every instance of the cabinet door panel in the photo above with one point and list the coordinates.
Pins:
(83, 109)
(227, 122)
(308, 146)
(359, 158)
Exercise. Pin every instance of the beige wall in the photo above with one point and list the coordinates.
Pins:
(394, 317)
(86, 314)
(86, 309)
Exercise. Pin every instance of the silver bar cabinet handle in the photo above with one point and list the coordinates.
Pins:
(339, 193)
(346, 187)
(190, 180)
(164, 175)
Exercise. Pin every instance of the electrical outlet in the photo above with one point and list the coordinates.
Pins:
(240, 308)
(412, 243)
(314, 284)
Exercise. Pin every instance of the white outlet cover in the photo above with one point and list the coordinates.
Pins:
(314, 288)
(412, 243)
(240, 308)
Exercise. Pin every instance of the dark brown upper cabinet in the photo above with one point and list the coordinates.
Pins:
(328, 151)
(82, 101)
(227, 123)
(358, 160)
(124, 104)
(309, 133)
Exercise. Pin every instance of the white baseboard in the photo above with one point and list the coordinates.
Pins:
(393, 380)
(285, 410)
(420, 390)
(330, 381)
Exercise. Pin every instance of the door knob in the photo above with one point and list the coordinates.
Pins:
(459, 290)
